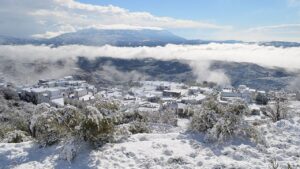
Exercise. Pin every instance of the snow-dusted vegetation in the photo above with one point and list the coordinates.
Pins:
(149, 84)
(221, 123)
(101, 134)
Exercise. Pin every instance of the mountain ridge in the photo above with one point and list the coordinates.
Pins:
(126, 38)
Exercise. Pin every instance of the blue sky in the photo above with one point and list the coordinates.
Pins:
(247, 20)
(239, 13)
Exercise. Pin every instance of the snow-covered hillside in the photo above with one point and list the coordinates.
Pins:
(152, 124)
(172, 148)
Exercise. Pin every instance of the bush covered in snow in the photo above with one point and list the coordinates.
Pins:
(71, 126)
(50, 125)
(166, 116)
(94, 122)
(95, 128)
(14, 117)
(227, 125)
(133, 122)
(128, 117)
(206, 117)
(276, 110)
(15, 136)
(9, 94)
(140, 122)
(138, 127)
(71, 117)
(220, 122)
(106, 107)
(45, 125)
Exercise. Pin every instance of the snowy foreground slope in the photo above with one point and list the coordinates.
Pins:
(168, 148)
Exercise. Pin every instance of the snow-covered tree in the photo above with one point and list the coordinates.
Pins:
(226, 126)
(70, 117)
(14, 117)
(206, 117)
(276, 110)
(95, 128)
(203, 120)
(219, 122)
(45, 126)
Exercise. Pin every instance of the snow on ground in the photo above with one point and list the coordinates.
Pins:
(59, 101)
(174, 149)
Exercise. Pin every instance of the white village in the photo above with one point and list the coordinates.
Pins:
(139, 84)
(146, 95)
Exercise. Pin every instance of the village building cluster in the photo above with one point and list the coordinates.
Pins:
(230, 94)
(145, 96)
(56, 92)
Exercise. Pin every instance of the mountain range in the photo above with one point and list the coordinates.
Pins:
(123, 37)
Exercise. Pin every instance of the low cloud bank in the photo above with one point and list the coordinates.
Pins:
(63, 59)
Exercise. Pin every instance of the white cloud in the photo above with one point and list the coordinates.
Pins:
(62, 29)
(275, 27)
(47, 17)
(282, 32)
(268, 56)
(198, 56)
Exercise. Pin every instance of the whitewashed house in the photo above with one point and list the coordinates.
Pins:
(80, 92)
(193, 99)
(56, 91)
(230, 94)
